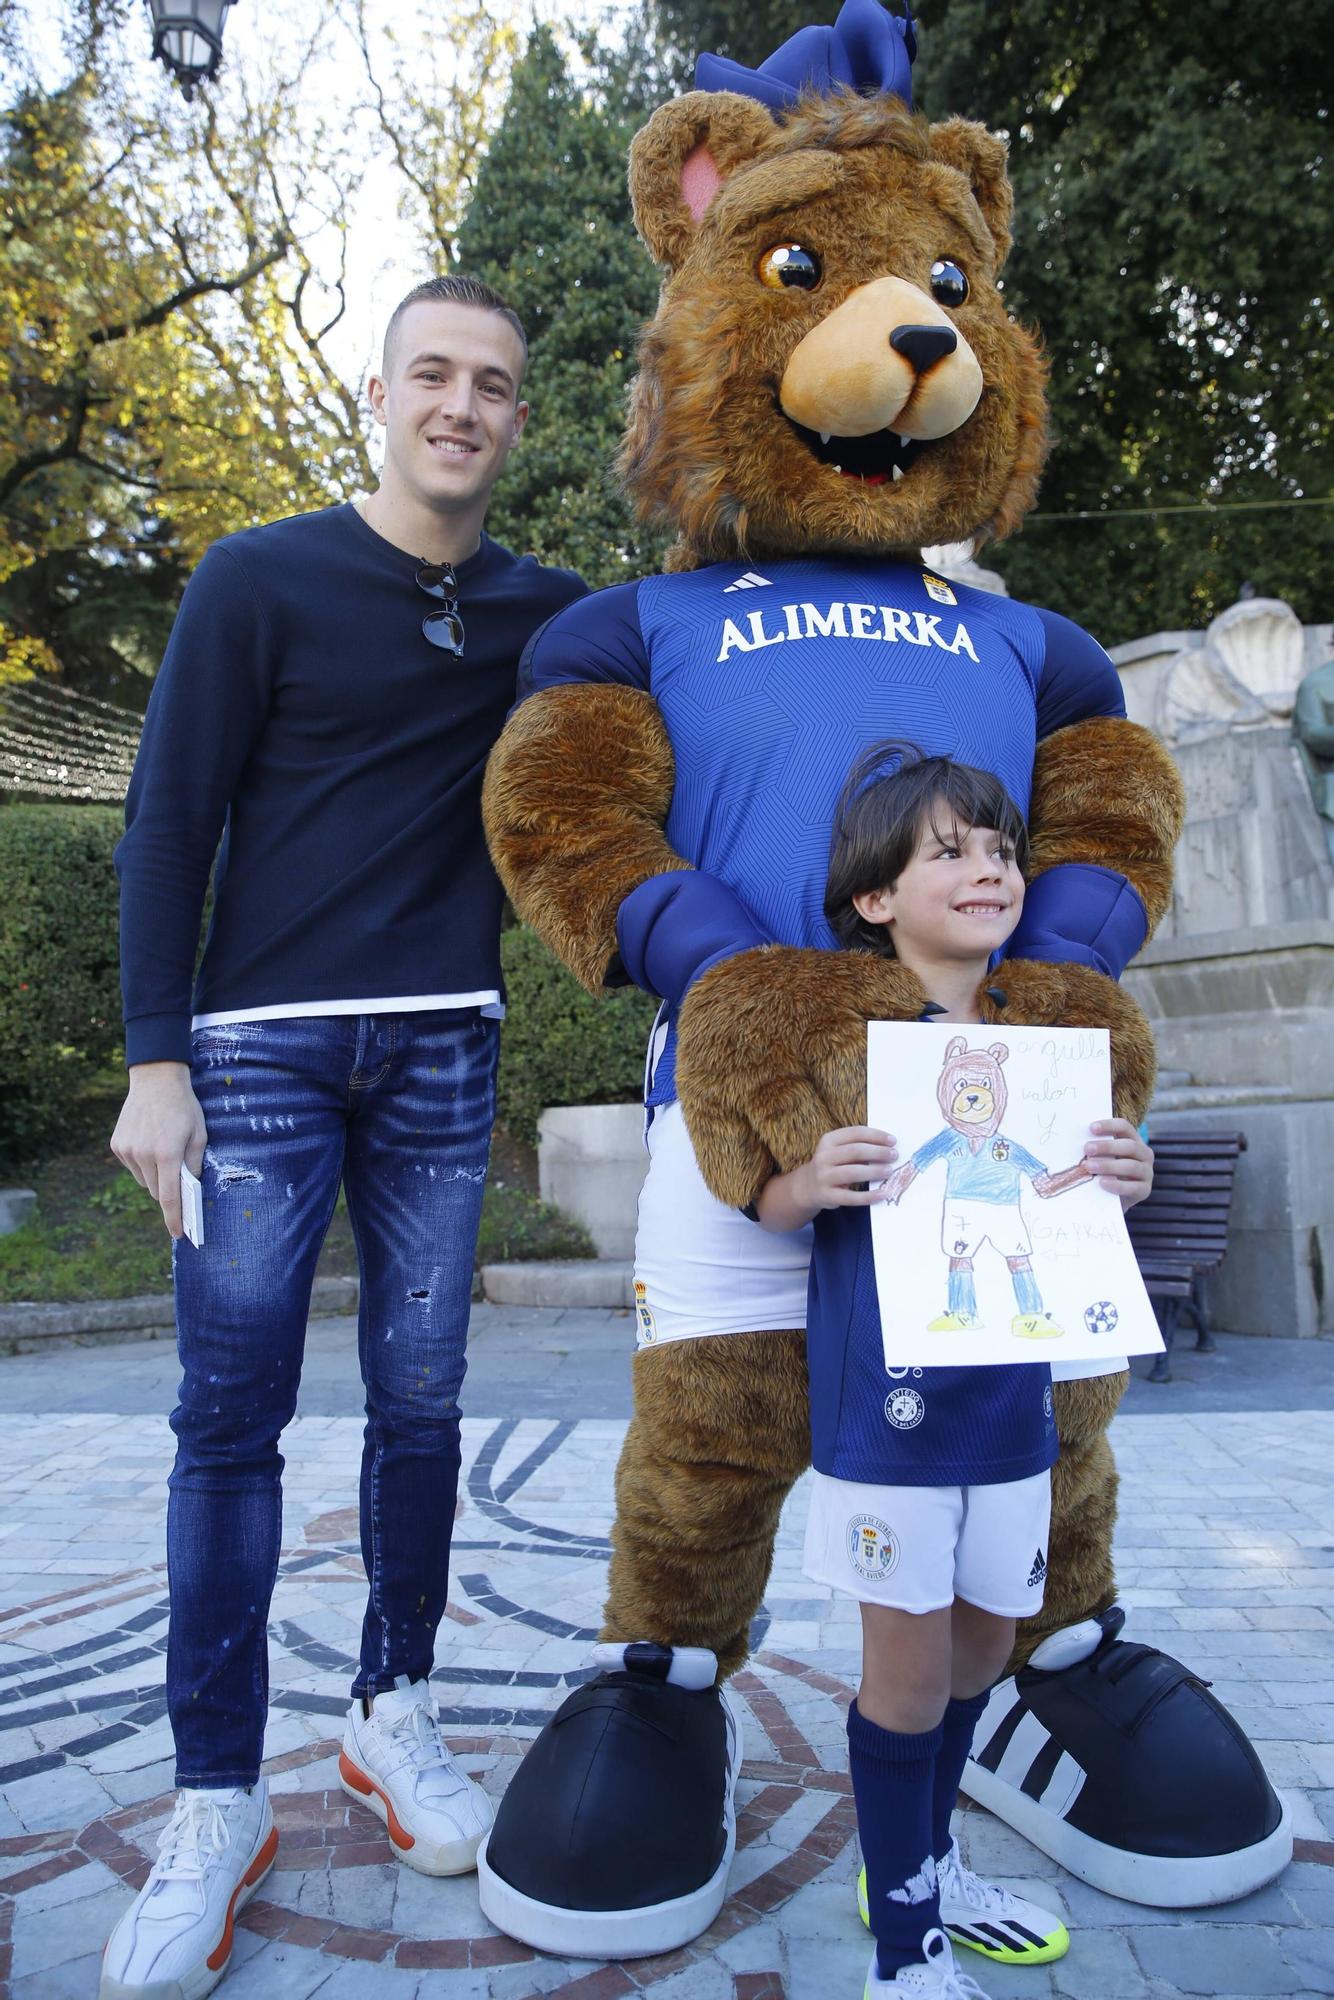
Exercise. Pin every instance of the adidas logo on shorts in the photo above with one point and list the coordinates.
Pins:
(1038, 1571)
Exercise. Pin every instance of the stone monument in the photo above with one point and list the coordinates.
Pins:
(1239, 981)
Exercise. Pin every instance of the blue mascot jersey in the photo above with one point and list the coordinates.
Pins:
(914, 1426)
(772, 682)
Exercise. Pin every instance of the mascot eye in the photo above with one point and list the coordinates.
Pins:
(787, 264)
(949, 287)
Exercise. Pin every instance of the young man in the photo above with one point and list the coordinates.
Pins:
(331, 690)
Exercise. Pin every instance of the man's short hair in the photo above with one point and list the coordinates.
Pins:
(453, 292)
(891, 798)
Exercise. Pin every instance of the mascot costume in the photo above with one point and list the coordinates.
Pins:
(831, 382)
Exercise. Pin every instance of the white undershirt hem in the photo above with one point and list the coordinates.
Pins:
(490, 1003)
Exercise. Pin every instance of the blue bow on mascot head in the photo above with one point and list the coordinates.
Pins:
(866, 50)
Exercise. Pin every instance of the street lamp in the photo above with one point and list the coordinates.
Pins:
(187, 38)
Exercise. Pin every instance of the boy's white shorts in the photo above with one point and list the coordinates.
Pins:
(917, 1548)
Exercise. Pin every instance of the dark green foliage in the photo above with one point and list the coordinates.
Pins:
(746, 33)
(1173, 242)
(558, 1044)
(550, 227)
(98, 1235)
(59, 984)
(1174, 246)
(516, 1228)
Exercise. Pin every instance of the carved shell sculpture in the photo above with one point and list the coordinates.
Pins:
(1245, 673)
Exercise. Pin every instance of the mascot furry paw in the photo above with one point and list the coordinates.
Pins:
(831, 381)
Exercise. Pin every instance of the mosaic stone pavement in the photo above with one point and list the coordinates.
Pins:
(1226, 1555)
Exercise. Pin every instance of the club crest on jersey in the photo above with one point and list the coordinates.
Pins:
(873, 1547)
(937, 589)
(904, 1408)
(648, 1326)
(777, 625)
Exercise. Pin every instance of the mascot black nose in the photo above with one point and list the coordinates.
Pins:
(923, 346)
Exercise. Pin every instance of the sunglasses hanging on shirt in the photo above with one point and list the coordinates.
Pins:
(443, 628)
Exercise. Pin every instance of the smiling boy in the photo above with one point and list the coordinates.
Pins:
(331, 689)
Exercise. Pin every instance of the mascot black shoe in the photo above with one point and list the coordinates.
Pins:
(1119, 1763)
(620, 1824)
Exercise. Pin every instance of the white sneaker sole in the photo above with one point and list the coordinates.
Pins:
(204, 1976)
(642, 1933)
(448, 1857)
(1162, 1882)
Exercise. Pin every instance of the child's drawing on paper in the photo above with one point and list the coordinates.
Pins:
(983, 1172)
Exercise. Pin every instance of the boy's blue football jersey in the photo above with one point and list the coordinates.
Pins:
(910, 1426)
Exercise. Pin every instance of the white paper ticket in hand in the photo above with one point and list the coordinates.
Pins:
(994, 1244)
(192, 1207)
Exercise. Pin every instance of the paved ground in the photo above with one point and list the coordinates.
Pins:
(1226, 1555)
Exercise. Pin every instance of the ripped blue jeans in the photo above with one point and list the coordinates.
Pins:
(398, 1109)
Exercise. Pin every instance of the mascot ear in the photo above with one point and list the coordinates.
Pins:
(981, 158)
(681, 158)
(998, 1052)
(955, 1048)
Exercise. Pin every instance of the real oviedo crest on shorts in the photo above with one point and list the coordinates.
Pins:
(873, 1547)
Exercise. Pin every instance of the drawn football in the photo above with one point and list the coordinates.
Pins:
(1100, 1317)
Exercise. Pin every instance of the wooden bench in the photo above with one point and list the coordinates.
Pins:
(1181, 1231)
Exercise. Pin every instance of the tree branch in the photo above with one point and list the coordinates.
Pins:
(36, 461)
(155, 315)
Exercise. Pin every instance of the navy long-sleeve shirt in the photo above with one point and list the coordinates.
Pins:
(301, 718)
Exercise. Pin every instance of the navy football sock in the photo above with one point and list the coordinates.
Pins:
(956, 1740)
(892, 1782)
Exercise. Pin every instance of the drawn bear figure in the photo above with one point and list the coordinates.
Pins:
(983, 1169)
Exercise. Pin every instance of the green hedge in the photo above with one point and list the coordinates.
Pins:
(60, 991)
(560, 1046)
(59, 980)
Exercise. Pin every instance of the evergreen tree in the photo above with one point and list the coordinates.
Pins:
(722, 27)
(549, 226)
(1173, 246)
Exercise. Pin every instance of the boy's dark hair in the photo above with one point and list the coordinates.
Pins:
(452, 291)
(892, 795)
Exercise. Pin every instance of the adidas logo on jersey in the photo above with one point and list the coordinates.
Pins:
(750, 581)
(1038, 1571)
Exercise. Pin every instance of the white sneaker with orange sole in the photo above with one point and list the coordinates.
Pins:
(175, 1940)
(393, 1760)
